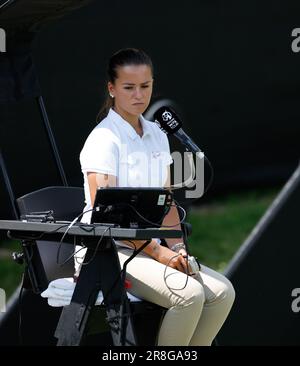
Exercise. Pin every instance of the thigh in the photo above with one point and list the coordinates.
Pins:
(154, 282)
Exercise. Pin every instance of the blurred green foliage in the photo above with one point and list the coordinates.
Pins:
(10, 272)
(219, 228)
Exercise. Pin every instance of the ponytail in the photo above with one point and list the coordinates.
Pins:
(109, 103)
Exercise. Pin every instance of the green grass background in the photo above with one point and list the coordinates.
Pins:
(218, 230)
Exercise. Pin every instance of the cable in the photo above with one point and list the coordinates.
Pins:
(97, 247)
(65, 233)
(20, 310)
(83, 227)
(148, 221)
(165, 276)
(156, 224)
(73, 222)
(71, 256)
(112, 287)
(211, 175)
(135, 252)
(122, 276)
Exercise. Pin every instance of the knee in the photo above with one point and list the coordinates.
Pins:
(227, 292)
(230, 291)
(194, 295)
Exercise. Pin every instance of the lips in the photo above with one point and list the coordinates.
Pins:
(138, 103)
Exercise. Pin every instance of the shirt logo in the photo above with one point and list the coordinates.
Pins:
(155, 154)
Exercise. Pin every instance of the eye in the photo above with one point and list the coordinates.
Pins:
(145, 86)
(128, 87)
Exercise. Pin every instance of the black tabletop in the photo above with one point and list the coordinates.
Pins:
(36, 228)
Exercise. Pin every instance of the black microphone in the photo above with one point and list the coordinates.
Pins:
(170, 124)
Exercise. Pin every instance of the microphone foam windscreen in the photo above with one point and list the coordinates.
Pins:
(167, 120)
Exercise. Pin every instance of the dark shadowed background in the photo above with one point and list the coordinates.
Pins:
(228, 66)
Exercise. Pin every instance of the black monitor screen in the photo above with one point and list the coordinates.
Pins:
(131, 207)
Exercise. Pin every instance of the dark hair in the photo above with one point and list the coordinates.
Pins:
(124, 57)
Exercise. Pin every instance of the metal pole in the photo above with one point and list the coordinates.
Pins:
(51, 139)
(6, 4)
(8, 187)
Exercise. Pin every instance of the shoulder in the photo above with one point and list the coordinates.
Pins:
(101, 141)
(105, 130)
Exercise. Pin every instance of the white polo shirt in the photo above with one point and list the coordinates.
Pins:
(113, 147)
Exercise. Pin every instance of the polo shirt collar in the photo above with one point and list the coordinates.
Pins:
(127, 126)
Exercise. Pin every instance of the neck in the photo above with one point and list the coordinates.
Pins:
(130, 118)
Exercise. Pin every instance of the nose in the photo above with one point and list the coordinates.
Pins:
(138, 93)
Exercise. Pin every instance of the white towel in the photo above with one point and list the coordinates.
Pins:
(64, 301)
(60, 288)
(60, 292)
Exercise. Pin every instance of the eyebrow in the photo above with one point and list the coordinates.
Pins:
(145, 82)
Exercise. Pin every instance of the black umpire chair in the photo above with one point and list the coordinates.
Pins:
(66, 204)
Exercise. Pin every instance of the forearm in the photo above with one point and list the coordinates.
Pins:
(151, 249)
(172, 218)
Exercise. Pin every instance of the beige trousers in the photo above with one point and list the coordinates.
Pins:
(196, 311)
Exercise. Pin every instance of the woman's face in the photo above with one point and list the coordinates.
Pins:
(132, 89)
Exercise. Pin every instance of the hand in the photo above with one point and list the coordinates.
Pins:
(183, 253)
(172, 259)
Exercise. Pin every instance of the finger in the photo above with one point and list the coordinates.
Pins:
(173, 262)
(185, 264)
(173, 265)
(181, 264)
(176, 263)
(183, 252)
(180, 268)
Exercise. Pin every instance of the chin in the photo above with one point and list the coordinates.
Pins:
(137, 110)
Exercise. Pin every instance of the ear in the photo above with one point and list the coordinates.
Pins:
(110, 87)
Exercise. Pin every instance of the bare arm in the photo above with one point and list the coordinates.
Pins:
(99, 180)
(172, 219)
